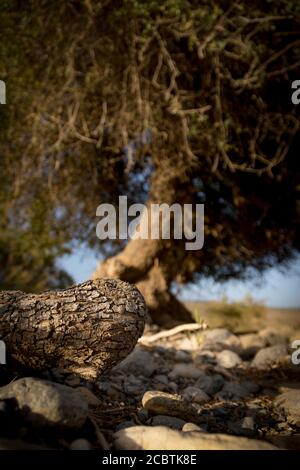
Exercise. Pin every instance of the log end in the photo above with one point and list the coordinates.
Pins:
(85, 329)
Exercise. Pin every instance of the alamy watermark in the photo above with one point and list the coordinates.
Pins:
(295, 357)
(296, 94)
(155, 221)
(2, 352)
(2, 92)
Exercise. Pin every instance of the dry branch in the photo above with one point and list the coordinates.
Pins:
(174, 331)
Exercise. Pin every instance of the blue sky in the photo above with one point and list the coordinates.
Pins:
(275, 288)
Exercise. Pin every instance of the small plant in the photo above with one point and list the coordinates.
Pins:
(247, 306)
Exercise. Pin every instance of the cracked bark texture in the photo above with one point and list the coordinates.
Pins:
(85, 329)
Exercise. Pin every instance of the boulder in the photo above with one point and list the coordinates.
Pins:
(44, 403)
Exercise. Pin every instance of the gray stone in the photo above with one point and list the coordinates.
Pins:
(182, 356)
(217, 335)
(210, 384)
(163, 379)
(143, 415)
(133, 385)
(44, 403)
(195, 395)
(169, 421)
(228, 359)
(289, 402)
(186, 371)
(233, 390)
(252, 387)
(139, 362)
(173, 387)
(269, 356)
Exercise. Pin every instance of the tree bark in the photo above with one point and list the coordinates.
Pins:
(139, 263)
(85, 329)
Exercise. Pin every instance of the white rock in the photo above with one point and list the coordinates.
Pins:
(228, 359)
(163, 438)
(188, 427)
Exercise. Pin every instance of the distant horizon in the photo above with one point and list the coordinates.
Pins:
(276, 289)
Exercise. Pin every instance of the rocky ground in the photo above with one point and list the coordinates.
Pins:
(192, 390)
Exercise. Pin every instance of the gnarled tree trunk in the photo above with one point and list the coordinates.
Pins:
(140, 263)
(85, 329)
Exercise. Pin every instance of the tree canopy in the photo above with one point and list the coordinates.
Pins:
(166, 101)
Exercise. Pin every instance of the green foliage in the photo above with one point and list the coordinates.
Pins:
(248, 306)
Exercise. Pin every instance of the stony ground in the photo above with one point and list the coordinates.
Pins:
(192, 390)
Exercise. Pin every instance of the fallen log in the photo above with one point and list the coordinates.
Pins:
(85, 329)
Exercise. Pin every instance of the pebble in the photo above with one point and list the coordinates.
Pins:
(163, 379)
(196, 395)
(186, 371)
(182, 356)
(233, 391)
(211, 384)
(267, 357)
(188, 427)
(228, 359)
(216, 339)
(80, 444)
(143, 415)
(161, 403)
(217, 335)
(289, 402)
(139, 362)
